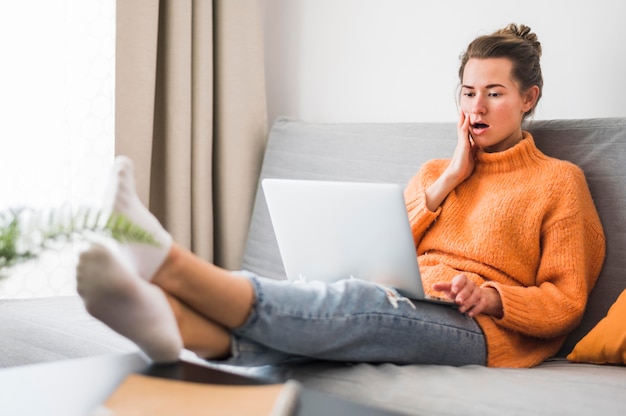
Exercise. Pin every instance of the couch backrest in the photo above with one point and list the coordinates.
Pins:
(393, 152)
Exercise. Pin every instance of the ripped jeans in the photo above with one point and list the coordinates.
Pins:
(352, 321)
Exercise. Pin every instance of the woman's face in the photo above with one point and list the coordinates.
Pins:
(494, 103)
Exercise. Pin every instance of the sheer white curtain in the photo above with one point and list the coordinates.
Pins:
(57, 82)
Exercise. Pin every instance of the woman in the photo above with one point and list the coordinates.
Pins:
(509, 234)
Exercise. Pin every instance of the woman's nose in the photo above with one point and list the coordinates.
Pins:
(478, 106)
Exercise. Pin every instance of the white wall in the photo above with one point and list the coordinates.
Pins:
(397, 60)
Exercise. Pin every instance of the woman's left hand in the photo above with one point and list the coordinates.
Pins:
(470, 298)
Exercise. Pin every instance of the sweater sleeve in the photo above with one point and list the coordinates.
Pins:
(420, 217)
(573, 250)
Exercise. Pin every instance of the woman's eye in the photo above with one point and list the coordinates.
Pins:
(494, 94)
(468, 94)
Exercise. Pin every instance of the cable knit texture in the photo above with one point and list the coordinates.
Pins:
(524, 224)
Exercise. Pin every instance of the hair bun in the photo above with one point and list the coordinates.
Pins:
(522, 32)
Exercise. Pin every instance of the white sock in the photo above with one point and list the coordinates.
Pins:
(121, 198)
(128, 304)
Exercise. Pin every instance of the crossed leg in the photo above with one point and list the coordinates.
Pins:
(215, 293)
(168, 297)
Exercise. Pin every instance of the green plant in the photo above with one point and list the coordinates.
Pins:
(26, 233)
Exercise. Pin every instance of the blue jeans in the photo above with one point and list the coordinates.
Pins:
(352, 321)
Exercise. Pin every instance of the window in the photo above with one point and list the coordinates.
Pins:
(56, 120)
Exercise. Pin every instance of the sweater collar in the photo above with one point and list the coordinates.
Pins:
(524, 154)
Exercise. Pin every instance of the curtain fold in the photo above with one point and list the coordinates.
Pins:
(191, 113)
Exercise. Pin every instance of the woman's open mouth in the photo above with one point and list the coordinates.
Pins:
(478, 128)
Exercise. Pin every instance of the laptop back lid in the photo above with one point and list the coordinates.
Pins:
(336, 230)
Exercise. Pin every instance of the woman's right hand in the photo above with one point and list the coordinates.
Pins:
(460, 168)
(463, 159)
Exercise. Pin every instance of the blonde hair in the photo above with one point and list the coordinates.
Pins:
(520, 46)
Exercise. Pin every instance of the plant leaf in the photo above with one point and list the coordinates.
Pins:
(26, 233)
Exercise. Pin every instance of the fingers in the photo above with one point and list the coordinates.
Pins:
(454, 288)
(462, 163)
(470, 298)
(463, 119)
(463, 128)
(472, 305)
(442, 287)
(467, 295)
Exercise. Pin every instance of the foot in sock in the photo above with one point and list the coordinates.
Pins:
(121, 198)
(128, 304)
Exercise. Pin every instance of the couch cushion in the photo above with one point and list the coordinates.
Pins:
(393, 152)
(554, 388)
(606, 342)
(598, 147)
(49, 329)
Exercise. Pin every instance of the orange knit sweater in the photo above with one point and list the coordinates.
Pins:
(524, 224)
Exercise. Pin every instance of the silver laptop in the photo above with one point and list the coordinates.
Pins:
(337, 230)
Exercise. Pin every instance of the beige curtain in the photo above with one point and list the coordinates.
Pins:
(191, 113)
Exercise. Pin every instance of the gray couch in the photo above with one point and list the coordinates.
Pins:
(51, 329)
(393, 153)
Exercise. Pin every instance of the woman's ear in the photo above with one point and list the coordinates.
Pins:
(530, 98)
